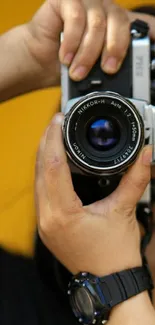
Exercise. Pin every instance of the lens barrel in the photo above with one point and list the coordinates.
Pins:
(103, 133)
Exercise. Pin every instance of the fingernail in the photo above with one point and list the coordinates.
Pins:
(147, 156)
(58, 119)
(68, 58)
(79, 72)
(111, 65)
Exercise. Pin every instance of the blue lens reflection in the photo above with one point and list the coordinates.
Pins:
(104, 134)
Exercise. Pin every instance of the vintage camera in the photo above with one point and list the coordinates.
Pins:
(108, 119)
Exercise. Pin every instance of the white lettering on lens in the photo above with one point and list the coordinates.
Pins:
(78, 151)
(134, 131)
(116, 104)
(125, 155)
(127, 113)
(83, 108)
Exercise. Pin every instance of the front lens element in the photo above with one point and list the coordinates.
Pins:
(104, 134)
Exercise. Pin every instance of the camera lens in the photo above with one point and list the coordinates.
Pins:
(103, 133)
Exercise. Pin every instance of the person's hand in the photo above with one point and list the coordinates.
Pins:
(91, 28)
(101, 238)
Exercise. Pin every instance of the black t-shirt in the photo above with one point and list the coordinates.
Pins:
(31, 297)
(34, 291)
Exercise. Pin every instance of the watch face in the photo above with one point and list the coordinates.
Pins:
(83, 305)
(88, 300)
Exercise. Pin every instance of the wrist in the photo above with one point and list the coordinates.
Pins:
(121, 265)
(135, 311)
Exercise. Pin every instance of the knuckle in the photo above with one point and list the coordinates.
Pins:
(75, 205)
(121, 210)
(122, 13)
(43, 226)
(98, 21)
(47, 222)
(130, 214)
(53, 164)
(77, 15)
(141, 183)
(138, 184)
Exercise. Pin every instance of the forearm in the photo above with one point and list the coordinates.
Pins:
(136, 311)
(19, 71)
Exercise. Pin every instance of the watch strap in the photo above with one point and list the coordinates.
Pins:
(123, 285)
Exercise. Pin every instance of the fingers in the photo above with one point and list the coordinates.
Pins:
(134, 182)
(53, 176)
(92, 41)
(74, 17)
(84, 36)
(147, 18)
(117, 39)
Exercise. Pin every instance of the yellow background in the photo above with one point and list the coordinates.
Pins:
(22, 122)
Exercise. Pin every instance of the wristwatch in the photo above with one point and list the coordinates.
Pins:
(92, 297)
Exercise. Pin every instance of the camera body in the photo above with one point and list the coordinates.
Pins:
(108, 118)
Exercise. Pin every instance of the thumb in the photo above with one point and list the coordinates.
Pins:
(149, 19)
(134, 182)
